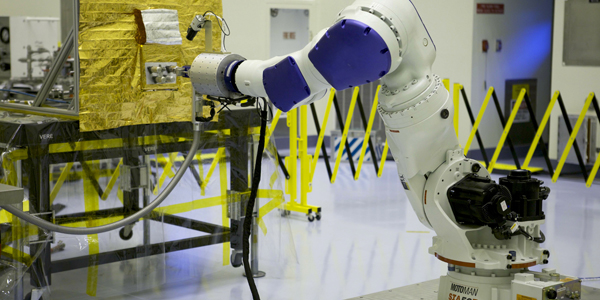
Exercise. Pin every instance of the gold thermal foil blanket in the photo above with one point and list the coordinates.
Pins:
(113, 91)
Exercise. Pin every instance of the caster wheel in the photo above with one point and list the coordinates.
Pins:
(318, 217)
(236, 259)
(311, 218)
(122, 234)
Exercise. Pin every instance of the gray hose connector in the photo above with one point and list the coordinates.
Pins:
(121, 223)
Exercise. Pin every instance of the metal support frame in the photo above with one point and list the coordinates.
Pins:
(37, 167)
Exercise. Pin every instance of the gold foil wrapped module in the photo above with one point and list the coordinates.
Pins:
(113, 90)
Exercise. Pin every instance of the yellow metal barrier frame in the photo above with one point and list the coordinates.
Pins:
(457, 89)
(479, 116)
(511, 120)
(541, 129)
(565, 153)
(321, 135)
(367, 134)
(299, 147)
(345, 135)
(383, 158)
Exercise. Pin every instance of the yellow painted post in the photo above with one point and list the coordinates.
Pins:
(367, 134)
(304, 157)
(292, 160)
(345, 135)
(541, 129)
(321, 135)
(565, 153)
(383, 158)
(513, 115)
(457, 89)
(478, 120)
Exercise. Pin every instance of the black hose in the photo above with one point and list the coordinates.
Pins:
(538, 240)
(541, 239)
(252, 201)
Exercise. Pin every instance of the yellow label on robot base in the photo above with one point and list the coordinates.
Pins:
(521, 297)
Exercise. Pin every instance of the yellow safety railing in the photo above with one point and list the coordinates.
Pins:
(322, 134)
(540, 131)
(383, 158)
(565, 154)
(345, 135)
(509, 123)
(367, 135)
(479, 116)
(456, 98)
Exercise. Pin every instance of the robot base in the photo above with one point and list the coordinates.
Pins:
(428, 290)
(476, 284)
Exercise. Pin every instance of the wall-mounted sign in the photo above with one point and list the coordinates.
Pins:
(490, 8)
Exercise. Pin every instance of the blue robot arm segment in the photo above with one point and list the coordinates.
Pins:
(285, 85)
(350, 54)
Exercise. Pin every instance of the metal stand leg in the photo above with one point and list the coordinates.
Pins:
(254, 234)
(254, 246)
(146, 201)
(18, 242)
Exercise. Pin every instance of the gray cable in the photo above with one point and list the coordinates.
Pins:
(121, 223)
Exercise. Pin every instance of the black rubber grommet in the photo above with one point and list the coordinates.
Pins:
(445, 114)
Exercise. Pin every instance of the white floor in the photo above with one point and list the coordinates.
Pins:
(369, 240)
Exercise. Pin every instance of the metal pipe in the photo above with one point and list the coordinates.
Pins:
(54, 70)
(58, 112)
(76, 76)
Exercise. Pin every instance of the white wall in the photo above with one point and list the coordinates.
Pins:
(30, 8)
(574, 83)
(525, 29)
(289, 22)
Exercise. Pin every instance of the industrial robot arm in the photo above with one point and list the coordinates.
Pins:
(479, 224)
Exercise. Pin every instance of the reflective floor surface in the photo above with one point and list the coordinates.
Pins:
(369, 240)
